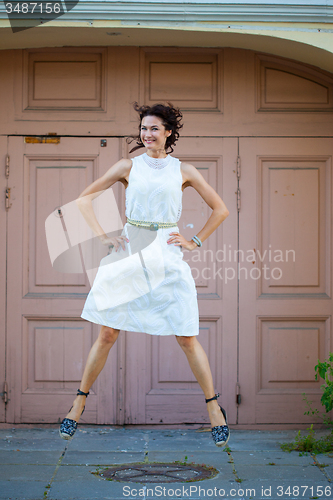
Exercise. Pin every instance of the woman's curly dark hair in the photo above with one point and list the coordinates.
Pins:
(170, 116)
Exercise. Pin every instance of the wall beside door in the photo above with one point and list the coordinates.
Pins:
(86, 92)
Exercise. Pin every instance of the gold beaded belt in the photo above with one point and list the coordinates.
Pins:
(153, 226)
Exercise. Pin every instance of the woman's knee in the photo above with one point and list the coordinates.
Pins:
(108, 335)
(186, 343)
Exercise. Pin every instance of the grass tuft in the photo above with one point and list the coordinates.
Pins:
(309, 444)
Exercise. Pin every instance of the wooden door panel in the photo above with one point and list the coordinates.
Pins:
(54, 352)
(157, 372)
(293, 224)
(285, 299)
(170, 373)
(54, 184)
(49, 342)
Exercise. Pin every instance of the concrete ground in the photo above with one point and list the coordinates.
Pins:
(36, 464)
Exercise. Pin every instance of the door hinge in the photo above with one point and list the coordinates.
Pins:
(7, 166)
(4, 394)
(8, 205)
(238, 168)
(238, 194)
(238, 396)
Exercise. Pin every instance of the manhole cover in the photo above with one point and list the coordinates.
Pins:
(157, 473)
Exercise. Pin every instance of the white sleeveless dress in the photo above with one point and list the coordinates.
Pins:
(147, 287)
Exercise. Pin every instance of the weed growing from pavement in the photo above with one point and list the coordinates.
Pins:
(309, 443)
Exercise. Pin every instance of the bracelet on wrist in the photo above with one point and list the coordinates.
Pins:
(197, 240)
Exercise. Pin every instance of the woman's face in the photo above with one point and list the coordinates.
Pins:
(153, 133)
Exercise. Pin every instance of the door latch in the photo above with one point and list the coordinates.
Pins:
(8, 205)
(7, 166)
(238, 198)
(4, 394)
(238, 163)
(238, 396)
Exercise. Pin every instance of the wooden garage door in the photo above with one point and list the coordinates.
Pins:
(285, 299)
(285, 281)
(157, 372)
(48, 342)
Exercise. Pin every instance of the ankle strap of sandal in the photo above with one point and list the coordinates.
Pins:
(81, 393)
(211, 399)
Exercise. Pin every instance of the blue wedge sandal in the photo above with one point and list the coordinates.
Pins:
(69, 426)
(220, 433)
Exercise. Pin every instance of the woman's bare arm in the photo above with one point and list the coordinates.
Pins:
(115, 173)
(220, 212)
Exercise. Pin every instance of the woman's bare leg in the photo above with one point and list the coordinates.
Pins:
(199, 364)
(96, 360)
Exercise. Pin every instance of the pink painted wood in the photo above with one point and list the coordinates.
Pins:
(285, 202)
(49, 342)
(286, 283)
(160, 387)
(3, 240)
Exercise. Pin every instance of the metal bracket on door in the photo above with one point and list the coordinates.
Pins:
(4, 394)
(238, 396)
(238, 168)
(7, 192)
(8, 205)
(238, 193)
(238, 174)
(7, 166)
(50, 139)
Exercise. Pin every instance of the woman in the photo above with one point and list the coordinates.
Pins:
(160, 306)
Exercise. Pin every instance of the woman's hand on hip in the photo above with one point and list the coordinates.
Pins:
(178, 240)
